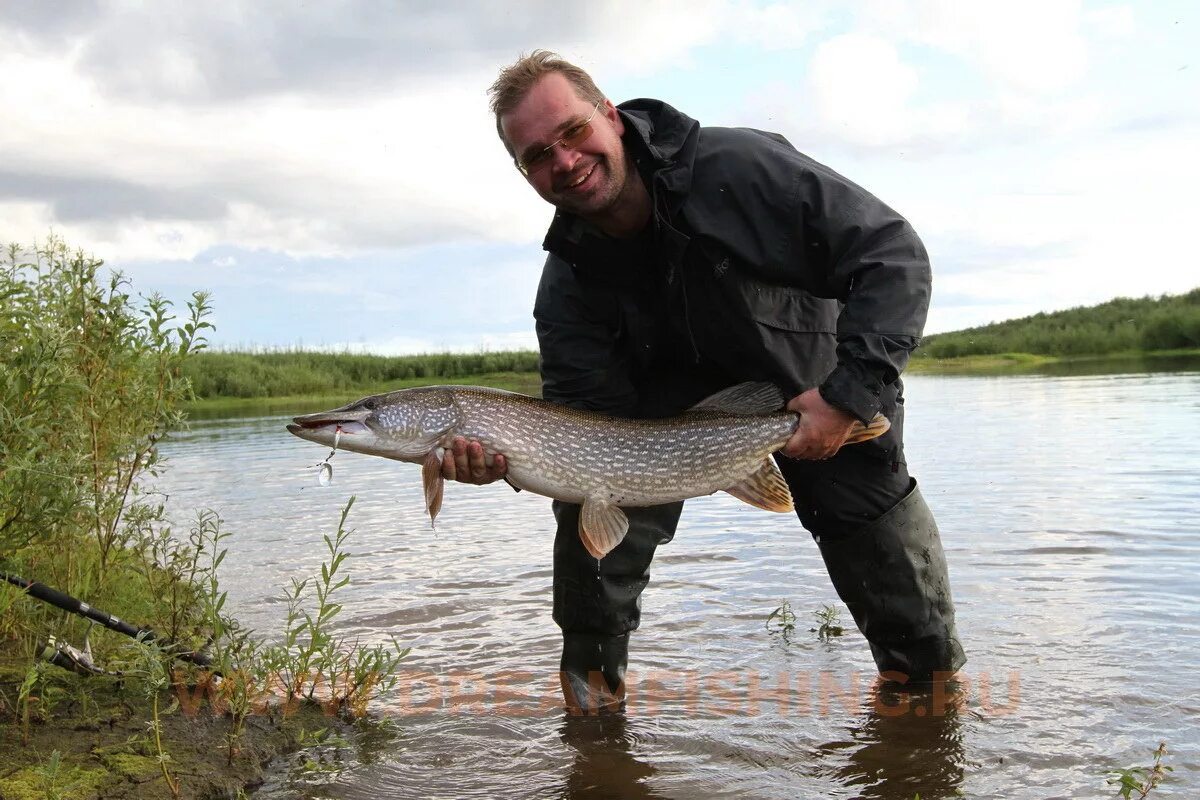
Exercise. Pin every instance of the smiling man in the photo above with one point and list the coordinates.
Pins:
(685, 259)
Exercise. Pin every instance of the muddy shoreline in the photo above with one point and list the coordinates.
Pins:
(107, 750)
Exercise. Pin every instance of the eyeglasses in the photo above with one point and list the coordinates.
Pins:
(572, 137)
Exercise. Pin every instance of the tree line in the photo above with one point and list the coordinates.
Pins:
(296, 372)
(1168, 322)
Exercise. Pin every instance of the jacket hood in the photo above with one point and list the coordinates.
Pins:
(665, 131)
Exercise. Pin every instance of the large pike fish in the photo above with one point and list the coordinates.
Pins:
(724, 443)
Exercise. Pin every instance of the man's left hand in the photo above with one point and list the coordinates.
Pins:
(822, 430)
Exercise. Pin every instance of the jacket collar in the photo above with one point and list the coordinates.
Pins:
(661, 141)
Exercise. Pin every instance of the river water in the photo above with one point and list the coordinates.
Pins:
(1069, 509)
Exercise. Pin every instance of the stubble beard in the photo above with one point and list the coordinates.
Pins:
(604, 200)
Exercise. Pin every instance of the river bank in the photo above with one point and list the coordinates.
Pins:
(1118, 363)
(530, 383)
(98, 745)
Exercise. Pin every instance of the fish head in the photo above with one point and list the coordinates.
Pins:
(404, 425)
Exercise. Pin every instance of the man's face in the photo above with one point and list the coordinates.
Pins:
(586, 179)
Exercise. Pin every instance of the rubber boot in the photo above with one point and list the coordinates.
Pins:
(592, 672)
(891, 574)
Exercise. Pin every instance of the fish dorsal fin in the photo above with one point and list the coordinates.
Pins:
(602, 526)
(431, 473)
(765, 488)
(744, 398)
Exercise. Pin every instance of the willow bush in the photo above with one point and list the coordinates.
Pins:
(90, 379)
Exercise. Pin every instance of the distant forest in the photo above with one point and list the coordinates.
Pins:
(298, 372)
(1169, 322)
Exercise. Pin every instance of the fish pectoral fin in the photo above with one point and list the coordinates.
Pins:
(744, 398)
(431, 473)
(765, 488)
(602, 526)
(878, 426)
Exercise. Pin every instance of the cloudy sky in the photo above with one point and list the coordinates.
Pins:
(329, 170)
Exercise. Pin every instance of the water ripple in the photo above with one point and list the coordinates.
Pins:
(1073, 556)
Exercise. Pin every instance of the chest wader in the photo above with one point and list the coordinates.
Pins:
(881, 547)
(598, 603)
(891, 574)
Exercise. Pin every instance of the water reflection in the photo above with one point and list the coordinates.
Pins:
(906, 743)
(605, 765)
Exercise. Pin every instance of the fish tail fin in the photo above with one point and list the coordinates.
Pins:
(878, 426)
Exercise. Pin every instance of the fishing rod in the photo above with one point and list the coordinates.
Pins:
(80, 661)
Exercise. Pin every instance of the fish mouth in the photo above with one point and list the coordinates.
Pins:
(343, 420)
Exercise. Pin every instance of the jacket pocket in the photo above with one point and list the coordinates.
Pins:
(761, 330)
(787, 308)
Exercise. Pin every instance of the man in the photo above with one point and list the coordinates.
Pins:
(684, 260)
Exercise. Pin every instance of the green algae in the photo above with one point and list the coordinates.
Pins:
(131, 765)
(53, 779)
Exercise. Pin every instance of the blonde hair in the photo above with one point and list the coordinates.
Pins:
(515, 81)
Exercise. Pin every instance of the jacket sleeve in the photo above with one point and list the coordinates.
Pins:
(580, 362)
(879, 269)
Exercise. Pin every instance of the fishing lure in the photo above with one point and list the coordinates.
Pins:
(324, 468)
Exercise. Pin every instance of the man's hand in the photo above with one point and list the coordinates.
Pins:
(466, 462)
(822, 430)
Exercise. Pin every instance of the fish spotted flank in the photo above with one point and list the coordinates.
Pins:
(604, 463)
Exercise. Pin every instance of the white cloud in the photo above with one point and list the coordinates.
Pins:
(1104, 218)
(301, 176)
(1110, 22)
(317, 135)
(777, 26)
(1023, 45)
(860, 84)
(863, 93)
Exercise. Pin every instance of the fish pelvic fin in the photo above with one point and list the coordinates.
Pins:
(602, 526)
(745, 398)
(878, 426)
(764, 488)
(431, 474)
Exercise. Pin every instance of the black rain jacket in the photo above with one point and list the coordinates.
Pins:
(766, 266)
